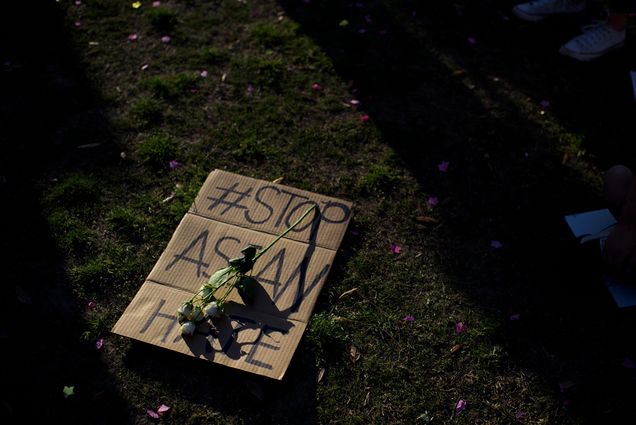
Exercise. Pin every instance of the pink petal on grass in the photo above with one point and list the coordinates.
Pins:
(174, 164)
(163, 409)
(443, 166)
(132, 37)
(408, 318)
(461, 405)
(628, 363)
(396, 249)
(99, 343)
(91, 305)
(354, 102)
(152, 414)
(495, 244)
(514, 317)
(77, 24)
(166, 39)
(204, 74)
(460, 327)
(432, 201)
(364, 118)
(520, 414)
(156, 3)
(316, 87)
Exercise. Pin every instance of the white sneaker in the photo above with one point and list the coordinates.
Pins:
(596, 40)
(537, 10)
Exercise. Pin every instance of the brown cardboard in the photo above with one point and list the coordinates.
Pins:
(230, 212)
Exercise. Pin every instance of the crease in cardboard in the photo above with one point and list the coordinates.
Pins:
(259, 338)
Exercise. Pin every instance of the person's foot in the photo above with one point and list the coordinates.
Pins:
(595, 41)
(538, 10)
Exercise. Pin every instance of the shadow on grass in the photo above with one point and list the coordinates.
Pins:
(47, 109)
(444, 82)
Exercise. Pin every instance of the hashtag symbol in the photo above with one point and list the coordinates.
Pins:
(222, 200)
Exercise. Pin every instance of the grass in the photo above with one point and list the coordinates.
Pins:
(88, 224)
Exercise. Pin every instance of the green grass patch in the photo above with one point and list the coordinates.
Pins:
(146, 111)
(75, 190)
(161, 19)
(157, 150)
(171, 87)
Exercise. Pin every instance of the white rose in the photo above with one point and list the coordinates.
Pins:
(197, 315)
(185, 309)
(188, 328)
(211, 310)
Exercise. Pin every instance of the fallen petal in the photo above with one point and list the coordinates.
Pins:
(152, 414)
(460, 327)
(163, 409)
(204, 74)
(472, 40)
(432, 201)
(515, 317)
(455, 348)
(156, 3)
(396, 249)
(496, 244)
(316, 87)
(68, 391)
(99, 343)
(443, 166)
(354, 353)
(461, 405)
(132, 37)
(92, 305)
(408, 318)
(166, 39)
(364, 118)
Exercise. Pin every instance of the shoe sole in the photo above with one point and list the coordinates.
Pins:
(586, 58)
(536, 18)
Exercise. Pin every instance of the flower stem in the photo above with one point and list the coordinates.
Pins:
(282, 235)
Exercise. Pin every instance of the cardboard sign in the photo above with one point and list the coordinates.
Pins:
(597, 225)
(230, 212)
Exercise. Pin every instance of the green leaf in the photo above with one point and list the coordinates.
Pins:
(242, 264)
(220, 277)
(249, 251)
(68, 391)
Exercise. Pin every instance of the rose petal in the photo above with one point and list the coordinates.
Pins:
(408, 318)
(156, 3)
(163, 409)
(166, 39)
(132, 37)
(396, 249)
(460, 327)
(496, 244)
(99, 343)
(152, 414)
(316, 87)
(364, 118)
(515, 316)
(443, 166)
(432, 201)
(354, 102)
(92, 305)
(204, 74)
(77, 24)
(174, 164)
(461, 405)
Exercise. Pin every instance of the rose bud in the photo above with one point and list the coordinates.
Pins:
(188, 328)
(205, 291)
(197, 315)
(211, 310)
